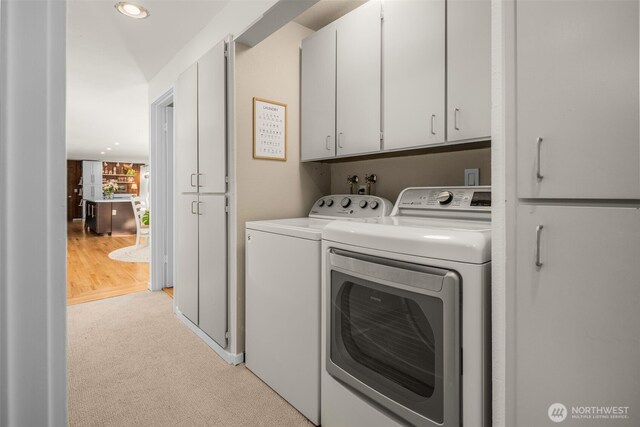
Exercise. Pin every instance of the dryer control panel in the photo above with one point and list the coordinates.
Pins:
(440, 199)
(350, 206)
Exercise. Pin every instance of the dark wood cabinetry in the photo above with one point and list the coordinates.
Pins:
(74, 189)
(126, 176)
(110, 217)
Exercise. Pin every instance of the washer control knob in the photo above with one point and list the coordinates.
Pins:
(321, 202)
(329, 202)
(444, 197)
(345, 202)
(374, 204)
(363, 204)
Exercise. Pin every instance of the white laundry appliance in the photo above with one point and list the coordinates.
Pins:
(406, 313)
(282, 303)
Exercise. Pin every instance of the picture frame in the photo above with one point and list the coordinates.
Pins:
(269, 130)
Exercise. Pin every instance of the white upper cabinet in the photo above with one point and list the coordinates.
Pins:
(186, 130)
(577, 99)
(358, 81)
(413, 44)
(212, 157)
(468, 70)
(319, 95)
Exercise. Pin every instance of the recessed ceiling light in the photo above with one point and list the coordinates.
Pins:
(116, 143)
(102, 152)
(132, 10)
(108, 148)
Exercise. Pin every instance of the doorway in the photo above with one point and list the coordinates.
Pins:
(108, 244)
(162, 193)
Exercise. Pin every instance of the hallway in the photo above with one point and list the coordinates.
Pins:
(92, 275)
(131, 362)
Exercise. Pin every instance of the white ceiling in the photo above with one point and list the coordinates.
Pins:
(110, 59)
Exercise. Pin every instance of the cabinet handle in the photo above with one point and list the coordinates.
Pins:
(203, 210)
(538, 237)
(433, 124)
(193, 209)
(192, 176)
(539, 147)
(203, 180)
(455, 119)
(340, 140)
(327, 139)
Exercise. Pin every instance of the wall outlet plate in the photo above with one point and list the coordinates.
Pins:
(471, 177)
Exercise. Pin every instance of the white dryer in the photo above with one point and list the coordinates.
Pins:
(282, 303)
(406, 313)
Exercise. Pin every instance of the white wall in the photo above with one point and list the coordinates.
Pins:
(106, 90)
(32, 214)
(236, 16)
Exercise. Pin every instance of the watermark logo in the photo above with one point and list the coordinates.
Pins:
(557, 412)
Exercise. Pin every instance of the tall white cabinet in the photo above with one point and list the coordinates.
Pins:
(91, 179)
(577, 302)
(201, 171)
(577, 104)
(573, 291)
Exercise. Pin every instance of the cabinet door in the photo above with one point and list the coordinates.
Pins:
(212, 256)
(577, 316)
(212, 119)
(358, 80)
(186, 130)
(468, 70)
(187, 256)
(577, 99)
(319, 95)
(102, 218)
(413, 36)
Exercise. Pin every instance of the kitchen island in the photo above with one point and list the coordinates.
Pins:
(110, 216)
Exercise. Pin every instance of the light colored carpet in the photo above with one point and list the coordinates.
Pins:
(133, 363)
(132, 254)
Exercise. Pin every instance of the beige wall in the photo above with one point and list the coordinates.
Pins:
(268, 189)
(395, 174)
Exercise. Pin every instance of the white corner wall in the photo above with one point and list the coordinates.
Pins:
(503, 209)
(236, 16)
(32, 214)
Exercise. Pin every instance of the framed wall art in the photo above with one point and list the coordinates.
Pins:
(269, 130)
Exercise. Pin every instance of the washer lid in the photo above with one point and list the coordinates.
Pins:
(452, 240)
(304, 228)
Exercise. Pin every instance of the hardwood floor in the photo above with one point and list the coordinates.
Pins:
(169, 291)
(92, 275)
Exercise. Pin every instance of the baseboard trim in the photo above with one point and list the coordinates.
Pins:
(230, 358)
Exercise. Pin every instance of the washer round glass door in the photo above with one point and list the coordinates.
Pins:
(393, 334)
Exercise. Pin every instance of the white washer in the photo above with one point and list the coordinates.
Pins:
(282, 304)
(406, 313)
